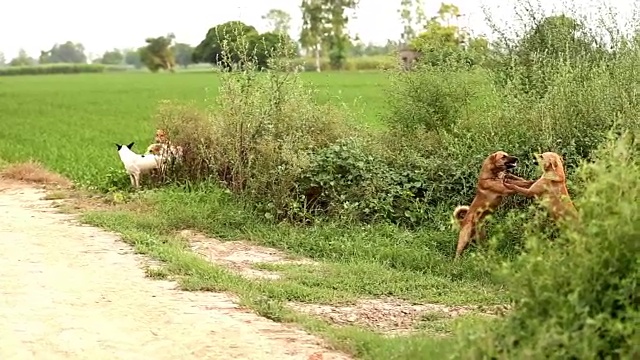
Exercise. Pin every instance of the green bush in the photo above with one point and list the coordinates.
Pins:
(259, 138)
(58, 69)
(473, 118)
(577, 297)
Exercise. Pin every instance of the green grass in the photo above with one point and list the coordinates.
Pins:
(70, 122)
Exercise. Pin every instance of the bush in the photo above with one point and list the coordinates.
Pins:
(58, 69)
(577, 297)
(259, 138)
(472, 116)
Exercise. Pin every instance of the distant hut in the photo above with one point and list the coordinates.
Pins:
(408, 57)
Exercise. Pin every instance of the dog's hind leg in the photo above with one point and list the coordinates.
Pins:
(131, 178)
(466, 233)
(136, 178)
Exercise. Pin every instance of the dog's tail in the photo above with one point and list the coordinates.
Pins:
(460, 212)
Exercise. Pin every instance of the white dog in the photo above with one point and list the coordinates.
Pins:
(136, 164)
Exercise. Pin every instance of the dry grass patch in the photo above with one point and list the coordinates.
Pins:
(34, 172)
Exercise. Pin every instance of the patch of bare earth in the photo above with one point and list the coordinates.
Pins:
(389, 316)
(239, 256)
(71, 291)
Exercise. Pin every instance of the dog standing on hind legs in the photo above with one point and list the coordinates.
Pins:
(490, 192)
(551, 187)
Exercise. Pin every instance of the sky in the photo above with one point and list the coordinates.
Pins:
(126, 23)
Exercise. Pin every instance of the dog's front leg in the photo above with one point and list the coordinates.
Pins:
(131, 178)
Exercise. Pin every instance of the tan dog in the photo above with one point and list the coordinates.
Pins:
(161, 137)
(163, 146)
(551, 188)
(489, 194)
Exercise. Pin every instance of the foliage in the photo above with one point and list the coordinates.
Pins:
(412, 14)
(183, 54)
(324, 26)
(314, 29)
(132, 57)
(57, 69)
(279, 21)
(113, 57)
(235, 43)
(22, 59)
(68, 52)
(158, 53)
(380, 62)
(577, 297)
(258, 139)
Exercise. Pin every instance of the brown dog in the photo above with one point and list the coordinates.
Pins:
(551, 188)
(489, 194)
(161, 137)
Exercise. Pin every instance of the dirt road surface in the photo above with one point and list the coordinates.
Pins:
(69, 291)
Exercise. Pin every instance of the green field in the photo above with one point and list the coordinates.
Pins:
(71, 122)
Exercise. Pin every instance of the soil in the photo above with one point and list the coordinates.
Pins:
(71, 291)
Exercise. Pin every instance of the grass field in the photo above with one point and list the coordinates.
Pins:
(71, 122)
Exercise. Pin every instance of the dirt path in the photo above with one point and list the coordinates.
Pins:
(69, 291)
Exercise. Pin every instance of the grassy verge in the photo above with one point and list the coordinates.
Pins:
(346, 270)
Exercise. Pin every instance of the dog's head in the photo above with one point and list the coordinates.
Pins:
(499, 161)
(161, 136)
(155, 149)
(128, 146)
(551, 163)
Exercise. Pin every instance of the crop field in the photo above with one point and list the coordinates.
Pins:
(71, 122)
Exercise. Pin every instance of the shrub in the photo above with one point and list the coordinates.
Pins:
(473, 116)
(57, 69)
(577, 297)
(259, 138)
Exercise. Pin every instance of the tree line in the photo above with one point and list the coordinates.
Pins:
(323, 36)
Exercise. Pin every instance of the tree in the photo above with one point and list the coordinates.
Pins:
(412, 16)
(272, 45)
(157, 54)
(279, 21)
(132, 57)
(439, 32)
(183, 53)
(226, 44)
(22, 59)
(113, 57)
(337, 39)
(313, 28)
(324, 25)
(3, 60)
(68, 52)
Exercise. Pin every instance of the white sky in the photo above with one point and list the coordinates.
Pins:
(38, 24)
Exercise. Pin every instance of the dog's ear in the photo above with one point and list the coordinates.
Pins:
(555, 163)
(118, 146)
(130, 145)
